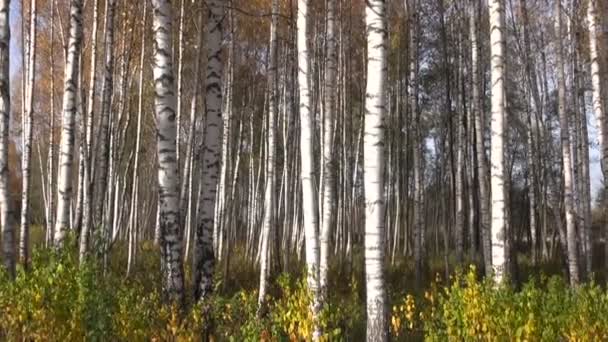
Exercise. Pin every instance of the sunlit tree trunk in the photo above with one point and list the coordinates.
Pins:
(573, 267)
(268, 225)
(180, 80)
(329, 194)
(66, 155)
(6, 222)
(309, 199)
(204, 260)
(104, 142)
(598, 100)
(168, 192)
(498, 130)
(88, 169)
(373, 170)
(50, 211)
(27, 144)
(133, 224)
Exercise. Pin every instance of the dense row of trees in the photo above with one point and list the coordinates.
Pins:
(305, 130)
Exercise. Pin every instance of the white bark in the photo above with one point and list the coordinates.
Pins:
(135, 179)
(329, 194)
(103, 145)
(168, 180)
(268, 225)
(6, 222)
(204, 260)
(498, 131)
(373, 170)
(66, 156)
(309, 199)
(27, 144)
(566, 153)
(87, 190)
(598, 100)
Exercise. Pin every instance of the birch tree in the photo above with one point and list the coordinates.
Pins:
(498, 131)
(482, 162)
(66, 156)
(268, 225)
(8, 230)
(373, 170)
(329, 195)
(566, 152)
(598, 103)
(27, 144)
(168, 180)
(309, 199)
(88, 153)
(104, 142)
(204, 259)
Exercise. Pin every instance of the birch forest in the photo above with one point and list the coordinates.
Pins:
(304, 170)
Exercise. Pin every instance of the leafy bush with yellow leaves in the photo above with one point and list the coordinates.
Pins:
(468, 309)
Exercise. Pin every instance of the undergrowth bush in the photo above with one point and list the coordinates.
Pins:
(468, 309)
(58, 300)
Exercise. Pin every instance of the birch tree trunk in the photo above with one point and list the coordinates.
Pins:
(135, 179)
(204, 259)
(50, 214)
(572, 252)
(6, 222)
(27, 144)
(103, 145)
(498, 129)
(268, 225)
(598, 100)
(373, 170)
(329, 194)
(309, 199)
(168, 192)
(66, 156)
(88, 187)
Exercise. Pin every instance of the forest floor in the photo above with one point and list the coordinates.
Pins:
(56, 300)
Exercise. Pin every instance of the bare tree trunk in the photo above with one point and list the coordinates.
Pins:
(27, 144)
(66, 156)
(88, 169)
(328, 163)
(135, 179)
(499, 132)
(598, 100)
(204, 260)
(6, 221)
(309, 203)
(164, 107)
(268, 225)
(566, 155)
(102, 173)
(373, 165)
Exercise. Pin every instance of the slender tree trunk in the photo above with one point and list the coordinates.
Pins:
(88, 170)
(309, 199)
(499, 132)
(268, 225)
(6, 221)
(66, 156)
(180, 81)
(204, 260)
(373, 166)
(168, 193)
(135, 179)
(573, 267)
(102, 164)
(329, 194)
(27, 144)
(598, 100)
